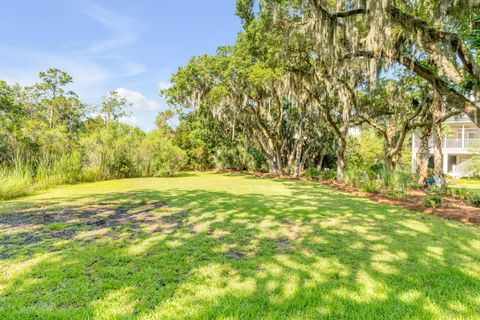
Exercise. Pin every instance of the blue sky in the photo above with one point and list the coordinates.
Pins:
(132, 46)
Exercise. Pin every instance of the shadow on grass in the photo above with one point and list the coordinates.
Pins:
(202, 254)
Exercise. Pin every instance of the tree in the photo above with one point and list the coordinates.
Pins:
(58, 103)
(393, 110)
(52, 115)
(11, 117)
(113, 107)
(427, 37)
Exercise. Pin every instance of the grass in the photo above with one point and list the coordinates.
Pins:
(15, 182)
(205, 246)
(472, 185)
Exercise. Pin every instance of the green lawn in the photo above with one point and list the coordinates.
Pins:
(205, 246)
(472, 185)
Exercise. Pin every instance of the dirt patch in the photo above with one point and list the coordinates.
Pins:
(23, 232)
(235, 255)
(452, 209)
(282, 245)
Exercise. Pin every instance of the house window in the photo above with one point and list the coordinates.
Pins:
(472, 134)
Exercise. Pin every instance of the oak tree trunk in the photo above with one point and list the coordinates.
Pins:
(342, 146)
(423, 156)
(437, 142)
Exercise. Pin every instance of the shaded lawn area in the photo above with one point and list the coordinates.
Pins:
(472, 185)
(207, 246)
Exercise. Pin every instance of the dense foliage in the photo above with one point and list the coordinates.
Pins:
(49, 137)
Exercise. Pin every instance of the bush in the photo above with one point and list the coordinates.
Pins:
(356, 178)
(328, 174)
(234, 158)
(434, 198)
(392, 183)
(158, 156)
(371, 186)
(112, 151)
(461, 193)
(396, 194)
(474, 199)
(397, 182)
(377, 168)
(312, 173)
(364, 150)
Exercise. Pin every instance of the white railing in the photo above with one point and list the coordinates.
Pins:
(472, 143)
(467, 144)
(461, 170)
(452, 143)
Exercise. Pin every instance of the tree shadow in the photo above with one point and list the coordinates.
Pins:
(311, 253)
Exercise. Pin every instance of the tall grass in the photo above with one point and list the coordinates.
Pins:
(23, 177)
(65, 170)
(16, 181)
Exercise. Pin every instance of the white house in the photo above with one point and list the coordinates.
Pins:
(461, 140)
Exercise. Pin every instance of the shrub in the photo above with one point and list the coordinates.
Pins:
(462, 193)
(67, 169)
(112, 151)
(312, 173)
(433, 198)
(91, 174)
(328, 174)
(356, 178)
(474, 199)
(234, 158)
(365, 150)
(396, 194)
(397, 182)
(371, 186)
(158, 157)
(377, 168)
(473, 168)
(415, 186)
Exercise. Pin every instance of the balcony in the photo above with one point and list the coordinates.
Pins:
(453, 144)
(461, 144)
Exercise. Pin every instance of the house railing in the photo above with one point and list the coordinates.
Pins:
(467, 144)
(461, 144)
(462, 169)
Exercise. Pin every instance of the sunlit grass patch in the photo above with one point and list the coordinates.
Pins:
(472, 185)
(210, 246)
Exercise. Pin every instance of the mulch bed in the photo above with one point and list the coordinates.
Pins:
(451, 209)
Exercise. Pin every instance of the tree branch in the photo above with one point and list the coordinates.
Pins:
(453, 40)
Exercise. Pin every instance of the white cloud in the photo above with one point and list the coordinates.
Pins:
(90, 76)
(121, 26)
(131, 120)
(91, 67)
(139, 101)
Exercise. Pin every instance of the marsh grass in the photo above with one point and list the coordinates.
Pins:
(24, 178)
(15, 181)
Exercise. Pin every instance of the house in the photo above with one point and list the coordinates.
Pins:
(460, 142)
